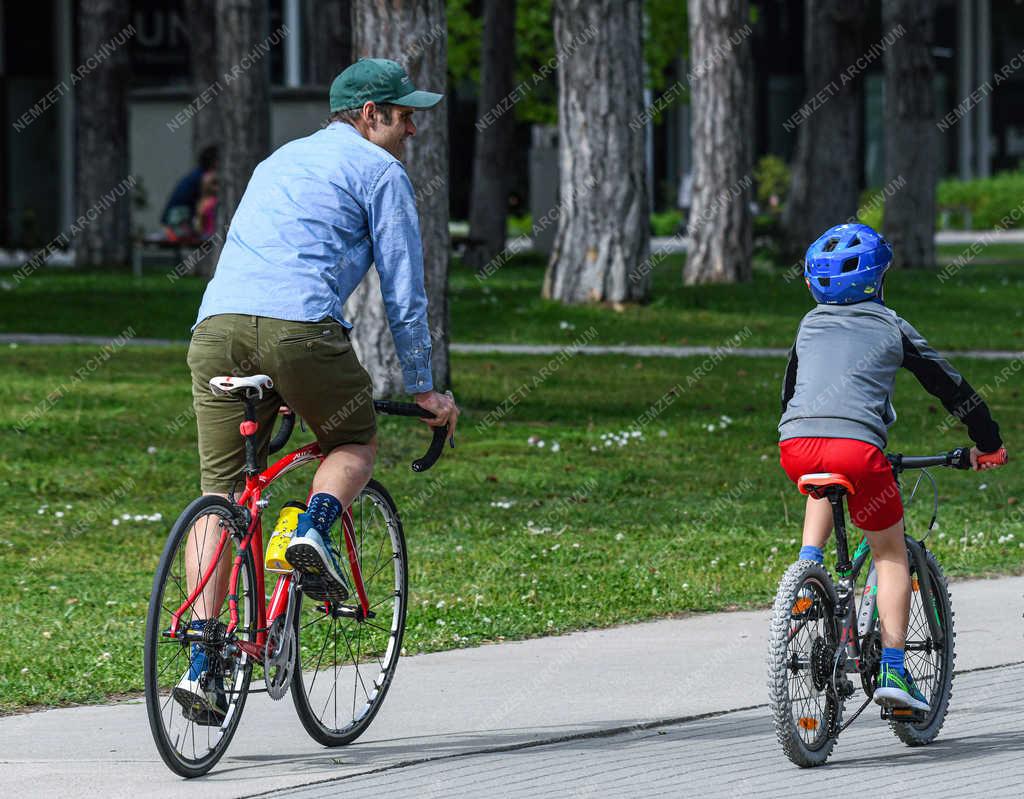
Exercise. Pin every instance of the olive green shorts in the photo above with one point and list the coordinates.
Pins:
(315, 373)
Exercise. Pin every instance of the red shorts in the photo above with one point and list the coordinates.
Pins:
(875, 503)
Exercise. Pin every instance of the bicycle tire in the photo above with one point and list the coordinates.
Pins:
(782, 670)
(159, 657)
(333, 733)
(941, 686)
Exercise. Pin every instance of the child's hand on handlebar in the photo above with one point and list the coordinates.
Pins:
(987, 460)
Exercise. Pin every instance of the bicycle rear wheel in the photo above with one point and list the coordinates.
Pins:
(931, 663)
(190, 742)
(802, 649)
(345, 662)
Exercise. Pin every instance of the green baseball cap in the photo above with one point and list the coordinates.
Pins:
(378, 80)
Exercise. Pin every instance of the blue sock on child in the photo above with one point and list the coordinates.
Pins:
(812, 553)
(893, 659)
(323, 512)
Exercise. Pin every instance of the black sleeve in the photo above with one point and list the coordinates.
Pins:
(789, 381)
(943, 381)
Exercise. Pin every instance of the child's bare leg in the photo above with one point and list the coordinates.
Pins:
(890, 554)
(817, 522)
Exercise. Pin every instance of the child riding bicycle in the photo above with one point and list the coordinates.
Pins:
(836, 411)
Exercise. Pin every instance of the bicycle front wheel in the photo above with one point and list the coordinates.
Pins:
(346, 662)
(190, 739)
(929, 661)
(802, 650)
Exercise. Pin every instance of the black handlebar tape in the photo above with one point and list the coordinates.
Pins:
(412, 409)
(284, 432)
(434, 452)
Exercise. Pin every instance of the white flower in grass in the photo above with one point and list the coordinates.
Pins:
(714, 561)
(59, 514)
(24, 670)
(487, 619)
(115, 522)
(68, 507)
(555, 446)
(106, 656)
(458, 548)
(440, 622)
(138, 517)
(126, 516)
(663, 434)
(619, 536)
(686, 585)
(764, 457)
(540, 444)
(983, 486)
(440, 603)
(41, 511)
(710, 428)
(151, 449)
(575, 546)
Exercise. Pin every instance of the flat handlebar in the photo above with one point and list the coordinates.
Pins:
(959, 458)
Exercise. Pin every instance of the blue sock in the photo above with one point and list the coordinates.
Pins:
(812, 553)
(893, 659)
(323, 512)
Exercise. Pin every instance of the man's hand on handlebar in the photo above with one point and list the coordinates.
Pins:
(987, 460)
(446, 412)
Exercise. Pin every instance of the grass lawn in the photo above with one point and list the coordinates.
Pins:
(677, 520)
(954, 315)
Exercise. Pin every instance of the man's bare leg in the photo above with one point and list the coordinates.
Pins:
(342, 474)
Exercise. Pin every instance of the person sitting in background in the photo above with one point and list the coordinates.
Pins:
(206, 211)
(180, 211)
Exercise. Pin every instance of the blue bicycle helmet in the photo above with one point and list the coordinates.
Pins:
(847, 264)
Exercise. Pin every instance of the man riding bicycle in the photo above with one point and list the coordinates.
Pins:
(315, 215)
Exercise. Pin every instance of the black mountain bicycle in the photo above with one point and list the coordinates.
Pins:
(819, 636)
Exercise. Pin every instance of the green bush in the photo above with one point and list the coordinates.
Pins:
(772, 176)
(521, 225)
(666, 223)
(982, 204)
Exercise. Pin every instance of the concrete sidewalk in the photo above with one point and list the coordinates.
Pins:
(609, 712)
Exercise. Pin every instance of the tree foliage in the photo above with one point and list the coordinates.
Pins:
(665, 38)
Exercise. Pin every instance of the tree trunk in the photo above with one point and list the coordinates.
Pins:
(603, 239)
(102, 143)
(495, 141)
(911, 138)
(328, 29)
(201, 18)
(415, 35)
(827, 169)
(720, 228)
(244, 102)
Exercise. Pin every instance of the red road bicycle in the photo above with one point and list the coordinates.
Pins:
(336, 658)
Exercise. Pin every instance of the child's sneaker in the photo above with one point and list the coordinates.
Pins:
(201, 694)
(898, 690)
(317, 561)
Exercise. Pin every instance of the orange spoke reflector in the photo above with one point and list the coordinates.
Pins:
(807, 723)
(914, 585)
(802, 605)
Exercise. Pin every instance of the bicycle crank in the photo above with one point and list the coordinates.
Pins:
(280, 654)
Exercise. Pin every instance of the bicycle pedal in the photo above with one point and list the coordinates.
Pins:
(904, 715)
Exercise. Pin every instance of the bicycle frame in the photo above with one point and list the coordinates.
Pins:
(250, 507)
(849, 572)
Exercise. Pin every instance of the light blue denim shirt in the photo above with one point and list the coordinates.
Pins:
(314, 216)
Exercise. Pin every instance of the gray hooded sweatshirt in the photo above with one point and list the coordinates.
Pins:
(841, 372)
